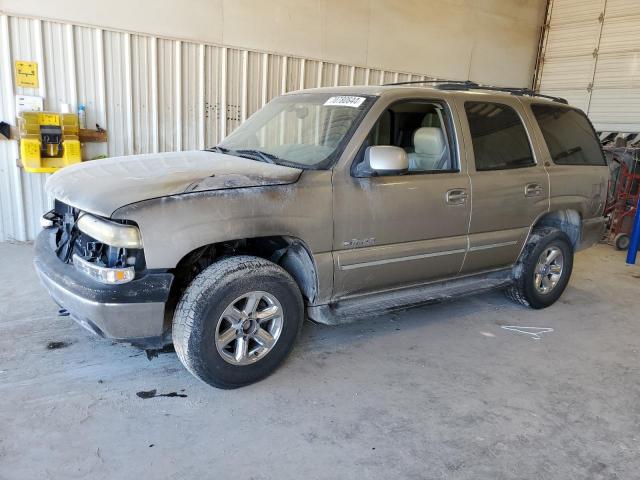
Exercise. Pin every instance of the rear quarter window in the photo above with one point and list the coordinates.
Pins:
(569, 135)
(499, 138)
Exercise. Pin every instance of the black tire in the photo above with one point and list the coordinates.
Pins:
(622, 241)
(523, 290)
(196, 319)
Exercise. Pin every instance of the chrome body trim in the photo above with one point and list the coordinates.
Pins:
(400, 259)
(492, 245)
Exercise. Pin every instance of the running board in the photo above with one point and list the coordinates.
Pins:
(353, 308)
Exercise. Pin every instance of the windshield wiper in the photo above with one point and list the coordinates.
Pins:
(217, 149)
(256, 155)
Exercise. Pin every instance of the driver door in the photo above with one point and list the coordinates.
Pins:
(406, 229)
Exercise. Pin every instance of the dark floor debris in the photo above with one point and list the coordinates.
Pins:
(154, 393)
(153, 353)
(57, 345)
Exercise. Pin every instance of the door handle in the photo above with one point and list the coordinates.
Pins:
(533, 190)
(456, 196)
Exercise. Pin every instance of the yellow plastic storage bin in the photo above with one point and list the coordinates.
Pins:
(48, 141)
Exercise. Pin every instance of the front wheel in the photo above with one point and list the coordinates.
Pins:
(544, 269)
(237, 321)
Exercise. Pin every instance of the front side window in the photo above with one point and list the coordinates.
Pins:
(499, 138)
(421, 128)
(307, 130)
(569, 135)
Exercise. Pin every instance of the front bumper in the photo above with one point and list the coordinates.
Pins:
(132, 312)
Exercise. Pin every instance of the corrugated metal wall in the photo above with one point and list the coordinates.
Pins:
(592, 57)
(151, 94)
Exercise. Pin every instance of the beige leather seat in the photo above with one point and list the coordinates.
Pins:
(430, 149)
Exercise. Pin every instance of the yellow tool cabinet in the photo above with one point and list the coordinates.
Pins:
(48, 141)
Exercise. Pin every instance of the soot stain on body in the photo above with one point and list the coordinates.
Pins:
(57, 345)
(154, 393)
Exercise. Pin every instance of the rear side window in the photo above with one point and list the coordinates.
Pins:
(569, 135)
(499, 138)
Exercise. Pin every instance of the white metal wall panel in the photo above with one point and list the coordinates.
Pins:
(567, 12)
(151, 94)
(375, 77)
(390, 77)
(620, 34)
(329, 75)
(568, 40)
(567, 73)
(592, 57)
(90, 82)
(191, 93)
(212, 94)
(235, 70)
(615, 99)
(59, 59)
(622, 8)
(167, 73)
(143, 90)
(344, 75)
(117, 57)
(25, 200)
(255, 83)
(613, 111)
(618, 71)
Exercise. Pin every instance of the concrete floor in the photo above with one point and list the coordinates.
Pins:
(436, 392)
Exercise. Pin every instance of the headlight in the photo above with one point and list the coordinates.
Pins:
(110, 233)
(45, 222)
(106, 275)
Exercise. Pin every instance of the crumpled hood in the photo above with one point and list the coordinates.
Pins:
(102, 186)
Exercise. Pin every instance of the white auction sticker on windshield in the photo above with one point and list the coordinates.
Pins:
(344, 101)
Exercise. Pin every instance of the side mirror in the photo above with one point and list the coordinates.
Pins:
(387, 160)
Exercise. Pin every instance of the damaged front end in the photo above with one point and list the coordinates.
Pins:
(95, 269)
(107, 251)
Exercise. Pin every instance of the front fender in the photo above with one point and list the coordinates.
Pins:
(173, 226)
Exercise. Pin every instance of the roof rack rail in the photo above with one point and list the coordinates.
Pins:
(512, 90)
(470, 85)
(416, 82)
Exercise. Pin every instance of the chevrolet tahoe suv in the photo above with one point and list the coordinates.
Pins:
(331, 203)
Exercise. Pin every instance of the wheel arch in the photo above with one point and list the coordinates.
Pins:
(290, 253)
(568, 221)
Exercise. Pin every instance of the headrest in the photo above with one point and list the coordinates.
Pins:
(430, 120)
(429, 141)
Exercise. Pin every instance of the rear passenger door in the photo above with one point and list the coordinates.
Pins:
(510, 188)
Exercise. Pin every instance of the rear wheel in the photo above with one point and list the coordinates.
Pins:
(544, 269)
(237, 321)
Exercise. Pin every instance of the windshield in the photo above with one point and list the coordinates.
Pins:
(307, 130)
